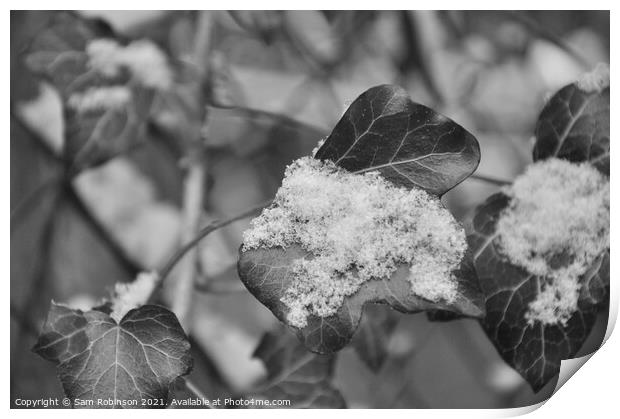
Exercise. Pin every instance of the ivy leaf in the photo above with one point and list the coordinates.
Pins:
(93, 135)
(574, 125)
(411, 146)
(535, 351)
(266, 273)
(98, 358)
(408, 143)
(373, 336)
(295, 374)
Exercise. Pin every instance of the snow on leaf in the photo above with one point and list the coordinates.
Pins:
(574, 125)
(295, 374)
(391, 135)
(98, 358)
(267, 274)
(408, 143)
(107, 126)
(535, 349)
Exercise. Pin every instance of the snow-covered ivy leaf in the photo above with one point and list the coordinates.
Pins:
(574, 125)
(295, 374)
(408, 143)
(373, 336)
(536, 349)
(98, 358)
(267, 274)
(105, 111)
(411, 146)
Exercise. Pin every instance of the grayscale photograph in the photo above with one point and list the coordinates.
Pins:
(361, 209)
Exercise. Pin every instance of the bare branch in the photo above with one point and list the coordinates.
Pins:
(544, 33)
(165, 271)
(490, 179)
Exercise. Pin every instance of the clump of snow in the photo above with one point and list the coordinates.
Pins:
(145, 61)
(128, 296)
(557, 223)
(557, 300)
(595, 80)
(148, 64)
(103, 56)
(100, 98)
(425, 281)
(356, 228)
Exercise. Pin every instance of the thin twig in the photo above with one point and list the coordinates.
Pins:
(280, 117)
(202, 40)
(193, 196)
(194, 182)
(165, 271)
(220, 287)
(544, 33)
(194, 389)
(490, 179)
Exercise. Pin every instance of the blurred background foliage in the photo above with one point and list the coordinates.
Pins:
(278, 82)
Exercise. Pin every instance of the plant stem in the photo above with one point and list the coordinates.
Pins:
(194, 184)
(544, 33)
(490, 179)
(194, 389)
(202, 40)
(193, 197)
(220, 287)
(215, 225)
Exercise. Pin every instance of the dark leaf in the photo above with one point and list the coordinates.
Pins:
(58, 52)
(535, 351)
(295, 374)
(98, 358)
(574, 125)
(373, 336)
(408, 143)
(266, 274)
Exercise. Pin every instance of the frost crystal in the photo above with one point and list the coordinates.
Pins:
(131, 295)
(356, 228)
(100, 98)
(595, 80)
(556, 225)
(144, 60)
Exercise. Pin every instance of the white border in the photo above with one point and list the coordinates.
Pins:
(592, 393)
